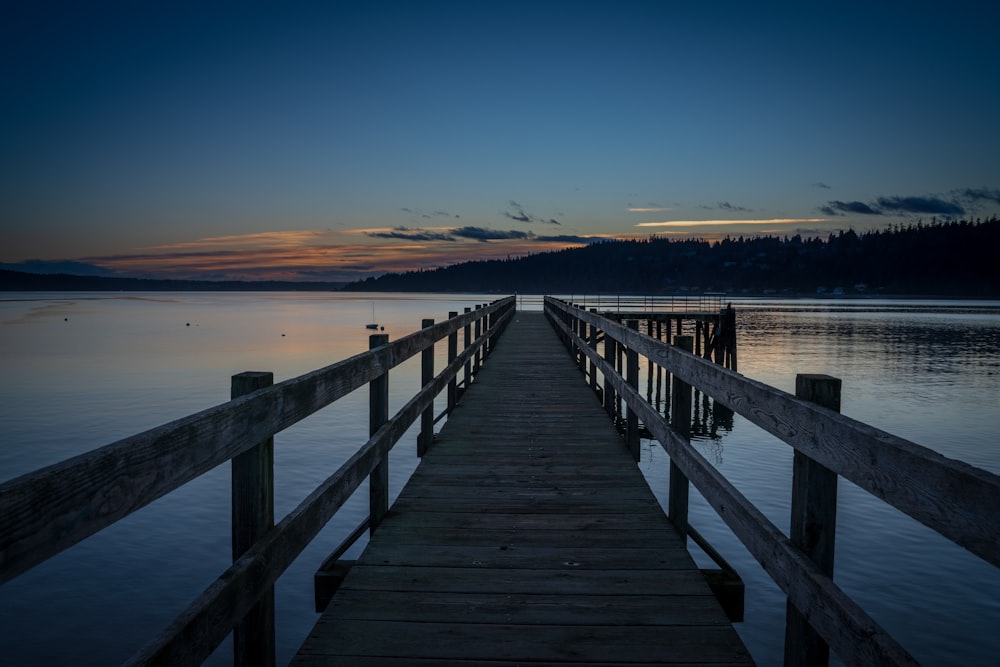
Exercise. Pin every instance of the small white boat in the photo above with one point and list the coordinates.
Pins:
(373, 325)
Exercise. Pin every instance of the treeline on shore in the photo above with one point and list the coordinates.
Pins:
(956, 258)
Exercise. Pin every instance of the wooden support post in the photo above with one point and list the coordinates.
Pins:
(632, 377)
(659, 369)
(487, 325)
(452, 353)
(731, 325)
(581, 328)
(466, 342)
(593, 348)
(426, 437)
(253, 515)
(814, 523)
(610, 354)
(649, 366)
(479, 352)
(378, 414)
(698, 326)
(680, 419)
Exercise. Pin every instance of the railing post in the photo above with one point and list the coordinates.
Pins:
(609, 389)
(466, 342)
(479, 332)
(452, 353)
(426, 437)
(253, 515)
(814, 523)
(680, 419)
(581, 331)
(632, 377)
(593, 347)
(487, 324)
(378, 414)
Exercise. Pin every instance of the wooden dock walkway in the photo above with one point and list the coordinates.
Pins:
(526, 535)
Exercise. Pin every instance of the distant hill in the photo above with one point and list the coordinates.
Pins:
(20, 281)
(943, 259)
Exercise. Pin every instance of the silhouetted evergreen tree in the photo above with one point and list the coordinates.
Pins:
(940, 258)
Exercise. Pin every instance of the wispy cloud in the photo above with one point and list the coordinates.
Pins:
(516, 212)
(409, 234)
(821, 185)
(283, 238)
(975, 196)
(713, 223)
(725, 206)
(955, 203)
(484, 235)
(330, 255)
(418, 213)
(926, 205)
(841, 207)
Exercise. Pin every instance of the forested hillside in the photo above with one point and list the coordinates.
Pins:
(952, 258)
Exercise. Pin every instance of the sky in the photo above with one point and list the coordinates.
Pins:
(335, 140)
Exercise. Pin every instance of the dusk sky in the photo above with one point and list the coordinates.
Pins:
(328, 141)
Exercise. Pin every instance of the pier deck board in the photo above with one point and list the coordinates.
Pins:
(526, 535)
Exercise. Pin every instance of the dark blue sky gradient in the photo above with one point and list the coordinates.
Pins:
(136, 136)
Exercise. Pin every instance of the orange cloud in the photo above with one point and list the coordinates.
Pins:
(292, 238)
(711, 223)
(317, 255)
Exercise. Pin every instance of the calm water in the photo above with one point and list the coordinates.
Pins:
(82, 370)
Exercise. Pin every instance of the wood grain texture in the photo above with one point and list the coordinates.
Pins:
(525, 534)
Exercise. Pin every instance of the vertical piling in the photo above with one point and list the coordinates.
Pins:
(632, 377)
(426, 437)
(253, 515)
(378, 414)
(452, 353)
(680, 419)
(814, 523)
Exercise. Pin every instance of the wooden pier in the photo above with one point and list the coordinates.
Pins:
(526, 534)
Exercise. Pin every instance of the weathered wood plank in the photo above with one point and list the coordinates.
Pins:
(528, 608)
(544, 557)
(382, 661)
(591, 643)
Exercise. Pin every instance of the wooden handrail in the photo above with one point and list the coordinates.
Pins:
(952, 497)
(197, 631)
(53, 508)
(901, 473)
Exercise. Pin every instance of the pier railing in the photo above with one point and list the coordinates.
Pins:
(955, 499)
(51, 509)
(707, 302)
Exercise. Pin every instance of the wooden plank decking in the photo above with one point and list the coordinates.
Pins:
(526, 535)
